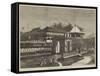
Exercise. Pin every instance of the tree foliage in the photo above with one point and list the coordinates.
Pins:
(68, 27)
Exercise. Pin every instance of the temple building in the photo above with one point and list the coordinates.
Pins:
(50, 41)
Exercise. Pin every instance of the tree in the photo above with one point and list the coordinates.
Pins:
(54, 25)
(57, 26)
(68, 27)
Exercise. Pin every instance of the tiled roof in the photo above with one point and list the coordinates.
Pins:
(75, 29)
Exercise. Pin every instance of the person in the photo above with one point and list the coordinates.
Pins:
(43, 61)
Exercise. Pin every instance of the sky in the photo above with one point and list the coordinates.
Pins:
(31, 16)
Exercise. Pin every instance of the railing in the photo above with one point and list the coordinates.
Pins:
(33, 41)
(26, 50)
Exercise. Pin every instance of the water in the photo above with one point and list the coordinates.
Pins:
(84, 61)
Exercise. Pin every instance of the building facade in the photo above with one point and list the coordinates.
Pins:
(50, 41)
